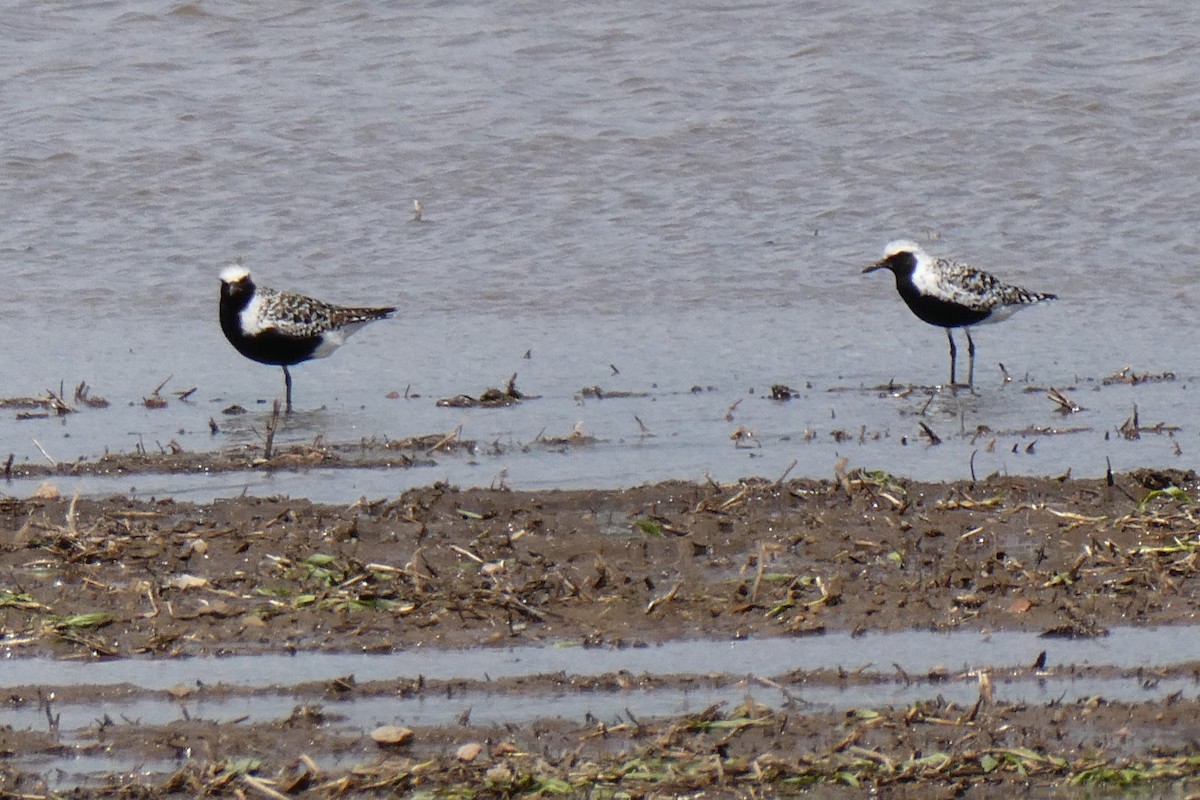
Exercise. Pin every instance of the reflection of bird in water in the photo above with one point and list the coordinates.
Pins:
(951, 295)
(283, 328)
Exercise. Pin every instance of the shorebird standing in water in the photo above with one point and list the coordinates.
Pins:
(282, 328)
(952, 295)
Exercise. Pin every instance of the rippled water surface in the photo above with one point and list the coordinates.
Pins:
(645, 197)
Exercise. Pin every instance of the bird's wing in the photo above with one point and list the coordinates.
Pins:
(979, 290)
(293, 314)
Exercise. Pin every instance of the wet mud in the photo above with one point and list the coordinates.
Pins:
(453, 571)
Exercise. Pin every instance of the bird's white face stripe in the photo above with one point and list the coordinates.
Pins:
(901, 246)
(234, 273)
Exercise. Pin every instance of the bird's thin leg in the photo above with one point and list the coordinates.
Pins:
(970, 359)
(287, 382)
(953, 355)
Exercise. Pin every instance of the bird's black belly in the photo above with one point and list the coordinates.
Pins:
(941, 312)
(273, 348)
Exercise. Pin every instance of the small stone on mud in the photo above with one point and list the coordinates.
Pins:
(218, 609)
(391, 736)
(1020, 606)
(469, 752)
(185, 581)
(501, 773)
(46, 491)
(969, 600)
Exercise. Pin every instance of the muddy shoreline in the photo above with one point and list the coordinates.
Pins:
(446, 569)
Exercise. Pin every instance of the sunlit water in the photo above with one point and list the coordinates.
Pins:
(683, 192)
(644, 197)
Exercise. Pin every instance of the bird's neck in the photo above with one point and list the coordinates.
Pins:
(231, 306)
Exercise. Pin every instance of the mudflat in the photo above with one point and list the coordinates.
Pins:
(452, 571)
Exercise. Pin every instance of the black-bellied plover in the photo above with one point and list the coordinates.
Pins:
(283, 328)
(952, 295)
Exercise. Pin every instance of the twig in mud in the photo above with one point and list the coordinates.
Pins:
(985, 697)
(155, 399)
(1128, 376)
(737, 498)
(272, 426)
(1132, 428)
(72, 529)
(575, 437)
(1005, 377)
(743, 434)
(873, 755)
(1065, 404)
(934, 439)
(928, 402)
(760, 570)
(309, 764)
(445, 440)
(500, 482)
(666, 598)
(972, 464)
(186, 393)
(83, 395)
(462, 551)
(38, 445)
(491, 398)
(779, 481)
(57, 404)
(260, 785)
(839, 472)
(792, 700)
(643, 431)
(729, 411)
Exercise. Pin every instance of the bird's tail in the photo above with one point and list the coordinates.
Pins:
(358, 316)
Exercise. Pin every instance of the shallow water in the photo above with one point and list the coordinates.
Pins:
(500, 708)
(686, 192)
(915, 652)
(884, 660)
